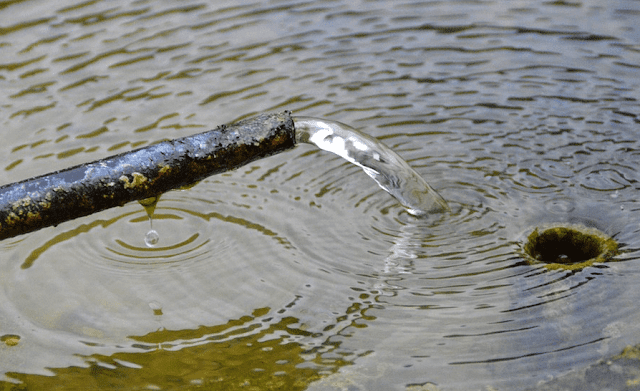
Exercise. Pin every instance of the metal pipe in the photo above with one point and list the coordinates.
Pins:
(51, 199)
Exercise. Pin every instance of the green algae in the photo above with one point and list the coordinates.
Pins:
(569, 247)
(243, 354)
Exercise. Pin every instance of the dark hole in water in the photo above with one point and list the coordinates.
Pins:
(569, 247)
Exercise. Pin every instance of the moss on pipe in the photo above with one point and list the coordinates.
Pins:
(51, 199)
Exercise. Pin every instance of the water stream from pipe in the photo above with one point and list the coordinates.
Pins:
(387, 168)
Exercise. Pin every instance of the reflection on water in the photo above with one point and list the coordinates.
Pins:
(520, 114)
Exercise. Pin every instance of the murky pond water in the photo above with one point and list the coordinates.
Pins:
(297, 271)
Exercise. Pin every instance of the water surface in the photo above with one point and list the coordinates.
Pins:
(297, 271)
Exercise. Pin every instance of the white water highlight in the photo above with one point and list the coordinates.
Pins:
(386, 167)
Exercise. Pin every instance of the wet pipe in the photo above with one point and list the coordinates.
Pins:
(51, 199)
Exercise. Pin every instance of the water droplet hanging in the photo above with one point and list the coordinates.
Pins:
(152, 237)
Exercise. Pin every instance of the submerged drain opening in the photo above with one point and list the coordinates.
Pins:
(569, 247)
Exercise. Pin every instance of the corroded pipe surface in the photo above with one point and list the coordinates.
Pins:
(78, 191)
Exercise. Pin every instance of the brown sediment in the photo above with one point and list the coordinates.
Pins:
(51, 199)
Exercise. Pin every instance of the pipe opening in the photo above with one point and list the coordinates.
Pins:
(569, 247)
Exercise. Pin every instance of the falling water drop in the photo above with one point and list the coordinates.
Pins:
(389, 170)
(152, 237)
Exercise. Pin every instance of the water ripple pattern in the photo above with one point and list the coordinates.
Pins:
(520, 114)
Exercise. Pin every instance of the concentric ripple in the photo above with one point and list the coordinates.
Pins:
(225, 245)
(297, 271)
